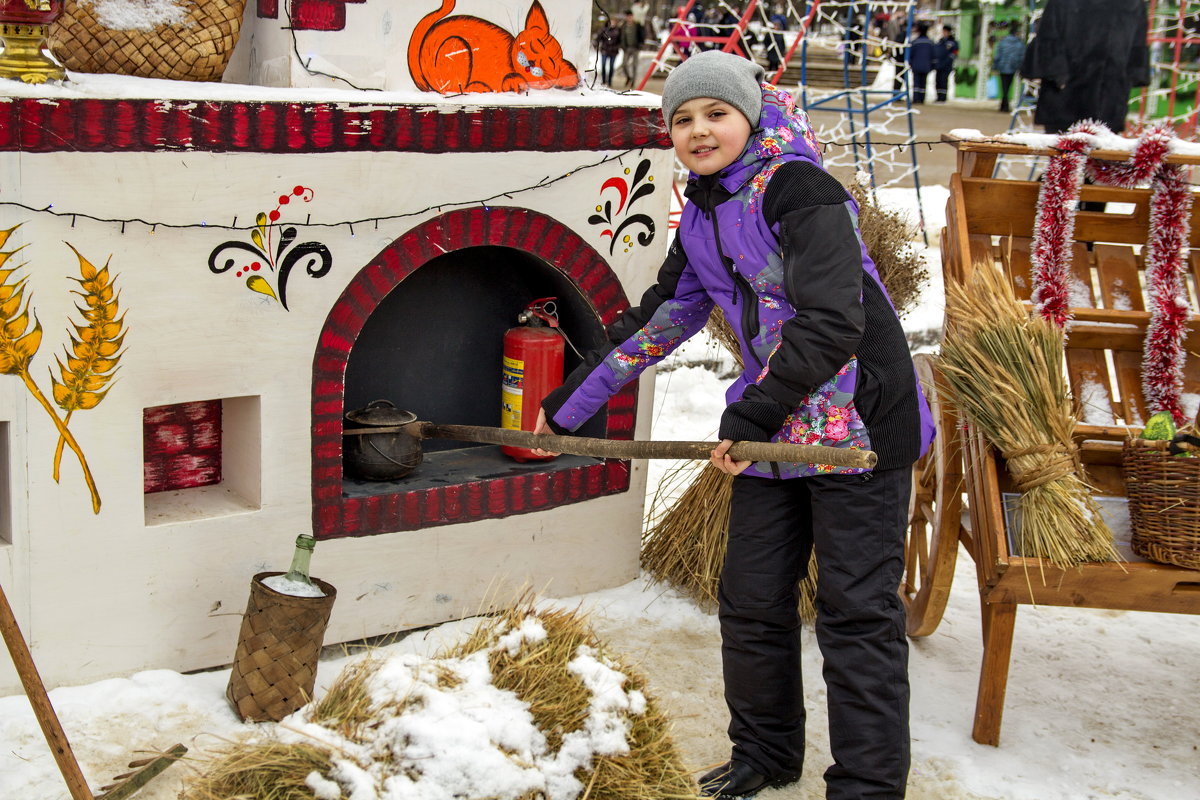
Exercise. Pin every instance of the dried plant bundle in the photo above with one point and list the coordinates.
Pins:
(531, 653)
(269, 771)
(683, 542)
(539, 675)
(889, 235)
(1004, 371)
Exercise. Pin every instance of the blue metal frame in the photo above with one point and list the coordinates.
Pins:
(857, 104)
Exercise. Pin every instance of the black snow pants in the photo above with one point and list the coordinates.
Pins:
(856, 524)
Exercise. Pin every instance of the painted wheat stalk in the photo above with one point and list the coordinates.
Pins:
(19, 344)
(95, 349)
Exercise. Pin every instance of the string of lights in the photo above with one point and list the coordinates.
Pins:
(483, 201)
(309, 223)
(287, 9)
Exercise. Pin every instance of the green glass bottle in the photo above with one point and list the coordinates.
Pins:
(301, 560)
(296, 581)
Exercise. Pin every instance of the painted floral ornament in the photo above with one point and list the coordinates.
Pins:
(265, 257)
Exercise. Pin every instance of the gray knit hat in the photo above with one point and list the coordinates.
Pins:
(716, 74)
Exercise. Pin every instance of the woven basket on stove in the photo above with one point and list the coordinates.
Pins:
(1164, 503)
(196, 50)
(275, 668)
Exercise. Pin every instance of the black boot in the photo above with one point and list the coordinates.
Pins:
(733, 780)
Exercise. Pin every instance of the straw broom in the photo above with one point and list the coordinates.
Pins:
(683, 542)
(1004, 371)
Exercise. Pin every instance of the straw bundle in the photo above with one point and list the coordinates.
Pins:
(889, 235)
(271, 770)
(1004, 371)
(541, 675)
(683, 544)
(378, 725)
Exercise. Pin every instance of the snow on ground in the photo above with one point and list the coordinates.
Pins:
(1101, 704)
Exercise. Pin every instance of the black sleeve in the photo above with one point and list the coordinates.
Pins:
(626, 325)
(823, 274)
(1138, 70)
(1046, 57)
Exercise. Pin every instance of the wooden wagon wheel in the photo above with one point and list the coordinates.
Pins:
(934, 514)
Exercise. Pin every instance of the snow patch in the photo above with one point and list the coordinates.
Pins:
(139, 15)
(283, 585)
(1096, 403)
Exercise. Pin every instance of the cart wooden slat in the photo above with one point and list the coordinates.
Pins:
(989, 224)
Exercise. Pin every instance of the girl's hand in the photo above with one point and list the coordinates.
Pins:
(721, 460)
(542, 427)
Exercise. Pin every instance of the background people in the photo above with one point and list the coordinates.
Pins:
(1007, 60)
(945, 51)
(1087, 55)
(920, 61)
(632, 36)
(608, 44)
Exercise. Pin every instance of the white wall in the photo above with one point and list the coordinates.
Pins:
(372, 50)
(105, 594)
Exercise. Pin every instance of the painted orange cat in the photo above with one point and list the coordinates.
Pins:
(453, 54)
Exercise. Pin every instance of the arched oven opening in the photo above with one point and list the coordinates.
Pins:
(434, 346)
(422, 326)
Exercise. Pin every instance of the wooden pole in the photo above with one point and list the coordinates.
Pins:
(35, 690)
(780, 452)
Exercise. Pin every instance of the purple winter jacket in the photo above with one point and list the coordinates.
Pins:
(825, 358)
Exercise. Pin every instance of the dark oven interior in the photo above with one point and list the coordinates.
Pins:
(434, 346)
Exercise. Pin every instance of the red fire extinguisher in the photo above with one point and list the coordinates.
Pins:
(533, 367)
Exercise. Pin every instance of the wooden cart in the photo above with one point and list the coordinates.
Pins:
(990, 222)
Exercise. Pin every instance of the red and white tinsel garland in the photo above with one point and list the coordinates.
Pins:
(1166, 251)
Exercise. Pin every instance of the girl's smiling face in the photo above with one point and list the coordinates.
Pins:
(708, 134)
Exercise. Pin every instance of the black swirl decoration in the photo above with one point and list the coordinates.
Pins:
(253, 261)
(644, 237)
(637, 188)
(317, 263)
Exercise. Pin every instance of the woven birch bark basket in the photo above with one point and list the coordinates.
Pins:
(275, 667)
(1164, 504)
(197, 48)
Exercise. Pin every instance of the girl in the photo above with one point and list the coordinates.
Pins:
(771, 238)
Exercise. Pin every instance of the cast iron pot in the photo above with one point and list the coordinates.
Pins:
(384, 456)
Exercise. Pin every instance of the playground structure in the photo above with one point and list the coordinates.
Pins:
(1174, 39)
(854, 84)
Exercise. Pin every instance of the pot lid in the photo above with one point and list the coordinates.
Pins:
(381, 412)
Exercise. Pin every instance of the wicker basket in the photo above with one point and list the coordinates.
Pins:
(275, 668)
(196, 50)
(1164, 503)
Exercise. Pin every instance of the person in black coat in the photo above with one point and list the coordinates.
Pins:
(920, 61)
(776, 46)
(944, 53)
(1088, 54)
